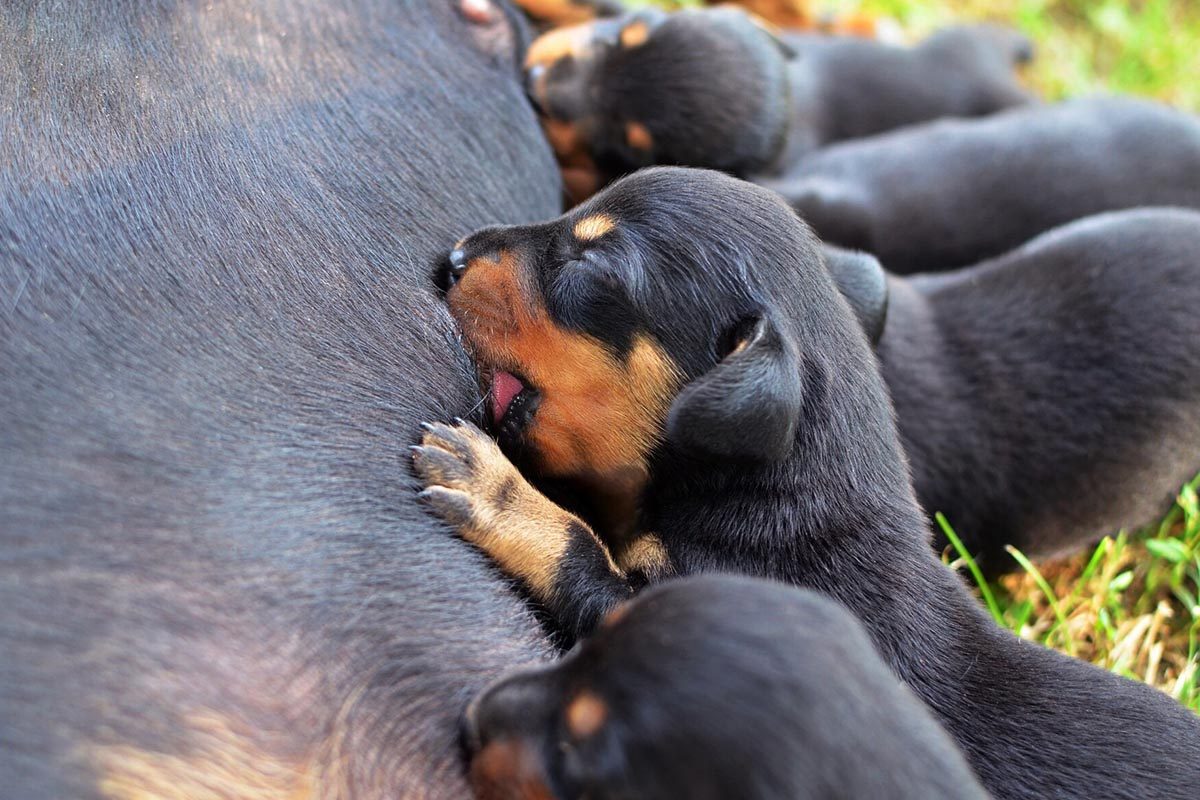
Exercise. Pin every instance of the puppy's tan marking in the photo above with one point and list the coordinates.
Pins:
(508, 770)
(599, 415)
(614, 617)
(567, 142)
(579, 183)
(581, 178)
(496, 509)
(638, 136)
(574, 41)
(589, 229)
(645, 554)
(635, 34)
(586, 715)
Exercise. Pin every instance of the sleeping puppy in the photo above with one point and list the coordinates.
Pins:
(715, 687)
(1052, 394)
(713, 88)
(677, 344)
(955, 192)
(798, 14)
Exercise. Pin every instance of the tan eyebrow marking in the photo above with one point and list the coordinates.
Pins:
(586, 714)
(635, 34)
(592, 228)
(638, 136)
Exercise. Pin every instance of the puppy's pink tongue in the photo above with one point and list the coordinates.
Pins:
(505, 387)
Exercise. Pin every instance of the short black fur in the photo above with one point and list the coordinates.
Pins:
(215, 342)
(718, 687)
(952, 193)
(1052, 394)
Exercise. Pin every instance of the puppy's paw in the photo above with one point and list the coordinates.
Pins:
(468, 480)
(475, 488)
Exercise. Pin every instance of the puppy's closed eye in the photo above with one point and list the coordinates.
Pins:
(589, 295)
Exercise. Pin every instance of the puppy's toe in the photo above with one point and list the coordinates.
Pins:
(465, 474)
(449, 438)
(438, 466)
(453, 506)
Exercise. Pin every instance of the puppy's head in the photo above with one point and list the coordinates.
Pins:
(703, 88)
(623, 715)
(713, 686)
(988, 55)
(665, 700)
(678, 308)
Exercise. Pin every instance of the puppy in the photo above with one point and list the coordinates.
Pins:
(1052, 394)
(715, 687)
(713, 88)
(568, 12)
(952, 193)
(678, 340)
(797, 14)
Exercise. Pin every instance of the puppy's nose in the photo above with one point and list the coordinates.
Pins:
(457, 262)
(468, 728)
(533, 86)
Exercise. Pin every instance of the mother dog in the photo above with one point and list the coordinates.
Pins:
(213, 578)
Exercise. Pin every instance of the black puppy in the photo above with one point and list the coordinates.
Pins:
(1052, 394)
(955, 192)
(678, 342)
(712, 88)
(715, 687)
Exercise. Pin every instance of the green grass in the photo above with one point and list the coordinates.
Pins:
(1131, 605)
(1146, 47)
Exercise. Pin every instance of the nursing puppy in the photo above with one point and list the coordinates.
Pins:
(715, 687)
(677, 342)
(712, 88)
(1051, 395)
(955, 192)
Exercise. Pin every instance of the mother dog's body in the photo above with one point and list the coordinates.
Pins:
(213, 576)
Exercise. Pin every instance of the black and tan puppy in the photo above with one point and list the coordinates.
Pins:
(797, 14)
(1051, 395)
(955, 192)
(709, 688)
(678, 342)
(713, 88)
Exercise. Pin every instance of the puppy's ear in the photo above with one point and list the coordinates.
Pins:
(748, 405)
(776, 35)
(862, 281)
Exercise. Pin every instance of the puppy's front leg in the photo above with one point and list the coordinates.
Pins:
(557, 557)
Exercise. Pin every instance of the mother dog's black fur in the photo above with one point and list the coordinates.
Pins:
(779, 458)
(952, 193)
(717, 687)
(1051, 395)
(215, 339)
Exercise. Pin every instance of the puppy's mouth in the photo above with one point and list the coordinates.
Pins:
(513, 403)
